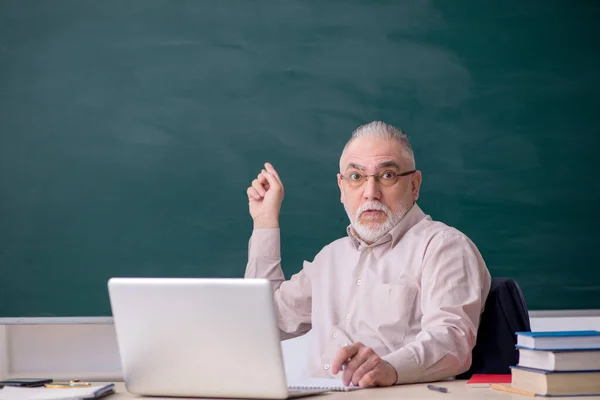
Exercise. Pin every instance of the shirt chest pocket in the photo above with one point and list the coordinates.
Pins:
(388, 309)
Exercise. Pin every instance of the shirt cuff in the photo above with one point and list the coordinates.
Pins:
(406, 364)
(265, 243)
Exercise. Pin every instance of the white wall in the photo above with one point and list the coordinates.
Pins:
(62, 349)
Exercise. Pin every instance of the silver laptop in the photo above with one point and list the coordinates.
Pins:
(199, 338)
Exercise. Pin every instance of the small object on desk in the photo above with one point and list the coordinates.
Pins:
(75, 383)
(41, 393)
(25, 382)
(510, 389)
(440, 389)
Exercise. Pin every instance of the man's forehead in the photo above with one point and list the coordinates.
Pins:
(373, 153)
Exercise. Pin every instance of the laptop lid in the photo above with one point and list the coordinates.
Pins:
(198, 337)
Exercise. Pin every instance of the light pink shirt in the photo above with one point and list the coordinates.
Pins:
(415, 297)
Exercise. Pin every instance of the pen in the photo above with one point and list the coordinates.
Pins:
(440, 389)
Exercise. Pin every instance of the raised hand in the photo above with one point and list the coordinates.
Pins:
(264, 197)
(363, 367)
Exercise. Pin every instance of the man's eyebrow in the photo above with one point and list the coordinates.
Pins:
(389, 164)
(355, 166)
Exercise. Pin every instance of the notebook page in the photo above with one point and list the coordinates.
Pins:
(321, 383)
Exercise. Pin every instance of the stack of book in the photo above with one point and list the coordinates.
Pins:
(558, 363)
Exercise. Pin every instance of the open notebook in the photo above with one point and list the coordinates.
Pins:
(334, 385)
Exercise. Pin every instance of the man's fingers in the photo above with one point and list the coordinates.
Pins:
(349, 369)
(382, 374)
(342, 356)
(262, 177)
(367, 366)
(368, 379)
(253, 194)
(270, 169)
(363, 367)
(363, 356)
(259, 187)
(272, 181)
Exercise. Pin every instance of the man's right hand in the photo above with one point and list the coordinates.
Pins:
(265, 196)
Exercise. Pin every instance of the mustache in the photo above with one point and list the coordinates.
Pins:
(373, 206)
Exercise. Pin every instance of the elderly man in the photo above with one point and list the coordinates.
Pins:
(398, 299)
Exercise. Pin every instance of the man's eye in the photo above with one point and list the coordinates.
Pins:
(388, 175)
(355, 177)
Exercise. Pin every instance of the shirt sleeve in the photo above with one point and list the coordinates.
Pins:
(293, 298)
(455, 283)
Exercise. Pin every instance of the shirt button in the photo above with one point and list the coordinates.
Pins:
(326, 367)
(359, 282)
(335, 335)
(369, 250)
(347, 316)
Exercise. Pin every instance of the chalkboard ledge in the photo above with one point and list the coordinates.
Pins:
(563, 313)
(109, 320)
(57, 321)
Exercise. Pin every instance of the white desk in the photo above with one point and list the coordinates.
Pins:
(456, 390)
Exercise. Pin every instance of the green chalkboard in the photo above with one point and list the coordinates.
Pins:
(130, 129)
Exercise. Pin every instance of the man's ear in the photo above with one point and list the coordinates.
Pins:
(339, 179)
(416, 185)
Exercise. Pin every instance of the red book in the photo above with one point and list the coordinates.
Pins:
(485, 380)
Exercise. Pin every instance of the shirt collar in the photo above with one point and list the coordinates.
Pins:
(410, 219)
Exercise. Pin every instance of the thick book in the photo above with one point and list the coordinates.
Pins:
(570, 360)
(553, 383)
(559, 340)
(334, 385)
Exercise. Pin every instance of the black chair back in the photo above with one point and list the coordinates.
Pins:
(504, 314)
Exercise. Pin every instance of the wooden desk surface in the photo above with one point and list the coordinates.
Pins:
(456, 390)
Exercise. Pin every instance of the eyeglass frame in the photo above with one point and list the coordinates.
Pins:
(377, 177)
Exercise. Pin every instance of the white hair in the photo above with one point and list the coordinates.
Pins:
(381, 130)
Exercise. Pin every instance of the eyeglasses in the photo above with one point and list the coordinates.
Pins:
(386, 178)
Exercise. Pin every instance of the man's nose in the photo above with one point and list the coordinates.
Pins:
(371, 189)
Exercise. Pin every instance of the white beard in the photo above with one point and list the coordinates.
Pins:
(372, 234)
